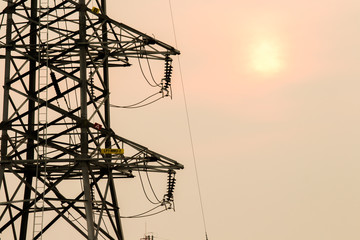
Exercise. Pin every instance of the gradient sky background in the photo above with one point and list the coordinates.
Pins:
(277, 150)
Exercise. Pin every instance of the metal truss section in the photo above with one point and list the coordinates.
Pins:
(84, 156)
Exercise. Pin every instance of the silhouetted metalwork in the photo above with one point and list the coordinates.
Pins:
(56, 118)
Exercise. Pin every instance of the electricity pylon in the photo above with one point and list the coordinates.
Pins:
(59, 156)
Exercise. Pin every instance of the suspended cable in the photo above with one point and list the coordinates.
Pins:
(136, 105)
(132, 105)
(149, 215)
(151, 187)
(143, 187)
(148, 103)
(142, 71)
(151, 74)
(143, 214)
(189, 125)
(165, 85)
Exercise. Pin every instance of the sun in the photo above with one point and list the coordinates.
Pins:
(266, 57)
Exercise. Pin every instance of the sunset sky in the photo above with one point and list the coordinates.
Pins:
(273, 99)
(272, 89)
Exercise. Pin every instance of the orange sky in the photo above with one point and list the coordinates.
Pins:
(278, 152)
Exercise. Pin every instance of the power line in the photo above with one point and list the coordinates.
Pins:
(189, 125)
(137, 105)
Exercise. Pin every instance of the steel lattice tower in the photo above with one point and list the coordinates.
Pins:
(56, 128)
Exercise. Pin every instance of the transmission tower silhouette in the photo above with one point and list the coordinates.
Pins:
(60, 158)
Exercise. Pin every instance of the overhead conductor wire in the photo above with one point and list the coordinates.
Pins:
(188, 123)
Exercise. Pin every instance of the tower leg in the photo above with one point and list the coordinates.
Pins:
(4, 134)
(88, 201)
(28, 176)
(84, 129)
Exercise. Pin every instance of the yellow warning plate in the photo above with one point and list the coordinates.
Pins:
(111, 151)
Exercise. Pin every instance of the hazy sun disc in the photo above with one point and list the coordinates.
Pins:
(266, 57)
